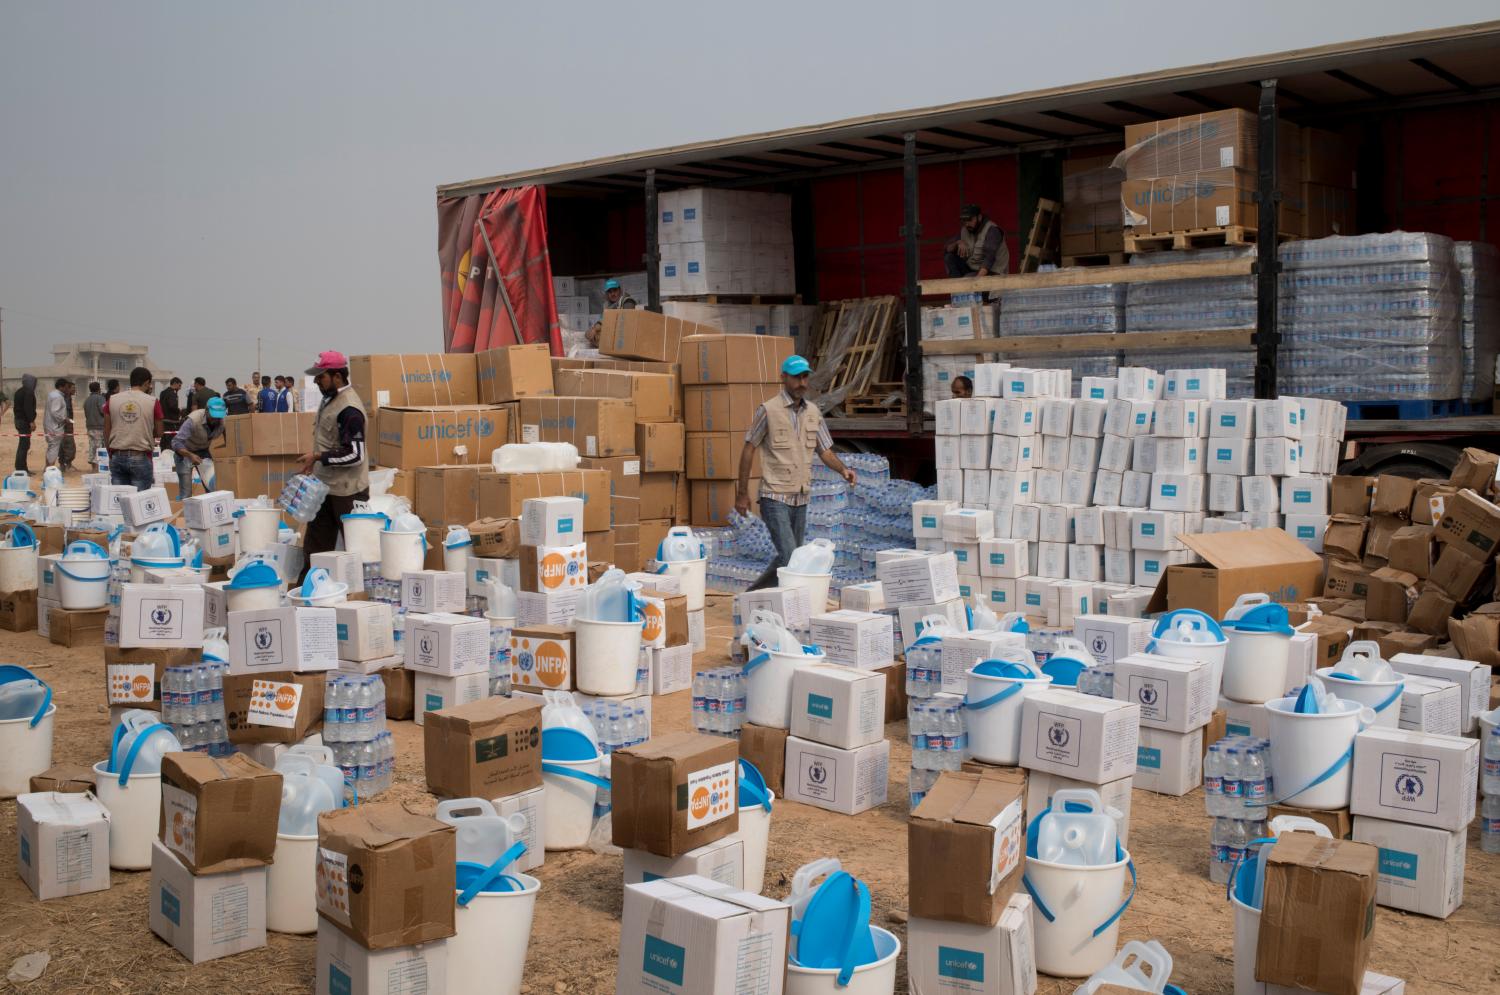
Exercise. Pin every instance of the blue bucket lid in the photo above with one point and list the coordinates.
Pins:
(255, 575)
(1064, 670)
(753, 792)
(831, 918)
(1270, 618)
(1167, 623)
(1006, 668)
(466, 872)
(1307, 702)
(561, 743)
(21, 536)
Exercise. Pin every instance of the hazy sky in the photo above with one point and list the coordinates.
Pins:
(193, 175)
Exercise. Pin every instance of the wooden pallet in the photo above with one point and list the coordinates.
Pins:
(1195, 238)
(1041, 241)
(865, 330)
(1096, 259)
(739, 298)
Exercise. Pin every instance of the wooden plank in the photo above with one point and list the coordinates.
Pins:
(1088, 275)
(1036, 345)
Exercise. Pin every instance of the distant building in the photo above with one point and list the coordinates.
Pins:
(85, 361)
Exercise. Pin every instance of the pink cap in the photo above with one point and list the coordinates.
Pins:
(331, 359)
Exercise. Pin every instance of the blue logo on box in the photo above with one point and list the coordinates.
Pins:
(434, 703)
(1224, 455)
(820, 706)
(1152, 566)
(693, 267)
(664, 960)
(963, 965)
(1398, 864)
(689, 213)
(666, 217)
(25, 851)
(171, 907)
(997, 559)
(343, 632)
(1306, 532)
(339, 983)
(1140, 418)
(1033, 598)
(1148, 528)
(1227, 421)
(1018, 385)
(1301, 497)
(1096, 393)
(564, 525)
(1168, 490)
(1145, 756)
(961, 555)
(929, 521)
(997, 596)
(1193, 384)
(671, 269)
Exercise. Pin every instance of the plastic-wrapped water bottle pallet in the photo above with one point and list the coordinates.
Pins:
(1413, 410)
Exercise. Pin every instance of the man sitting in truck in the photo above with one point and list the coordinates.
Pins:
(979, 249)
(614, 299)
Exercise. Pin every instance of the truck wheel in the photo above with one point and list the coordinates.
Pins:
(1404, 459)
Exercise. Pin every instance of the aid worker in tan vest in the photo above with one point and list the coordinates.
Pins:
(132, 424)
(338, 456)
(979, 249)
(788, 432)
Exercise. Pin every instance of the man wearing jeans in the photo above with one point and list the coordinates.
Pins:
(788, 432)
(338, 457)
(132, 424)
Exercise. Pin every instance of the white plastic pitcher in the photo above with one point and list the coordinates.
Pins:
(401, 552)
(1361, 676)
(83, 576)
(362, 529)
(253, 586)
(1143, 967)
(875, 978)
(318, 590)
(607, 654)
(992, 709)
(1312, 752)
(570, 801)
(25, 741)
(456, 547)
(1254, 661)
(487, 952)
(260, 527)
(681, 555)
(1189, 634)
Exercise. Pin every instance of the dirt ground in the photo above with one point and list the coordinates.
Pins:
(101, 942)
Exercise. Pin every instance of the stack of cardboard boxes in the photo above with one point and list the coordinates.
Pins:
(1073, 740)
(1091, 221)
(725, 242)
(725, 378)
(676, 809)
(837, 755)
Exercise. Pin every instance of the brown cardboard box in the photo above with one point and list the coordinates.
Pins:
(415, 380)
(447, 494)
(596, 426)
(1421, 505)
(309, 706)
(1351, 496)
(49, 538)
(601, 547)
(1211, 198)
(385, 875)
(1477, 635)
(1011, 775)
(1393, 496)
(77, 628)
(639, 334)
(1476, 470)
(652, 532)
(716, 456)
(724, 408)
(18, 611)
(628, 556)
(624, 473)
(484, 749)
(1254, 561)
(250, 476)
(411, 437)
(1217, 729)
(501, 494)
(1347, 580)
(624, 511)
(1410, 550)
(765, 748)
(1207, 141)
(895, 691)
(653, 394)
(132, 677)
(513, 372)
(287, 434)
(684, 501)
(673, 620)
(713, 500)
(219, 813)
(723, 359)
(1390, 595)
(675, 793)
(1337, 820)
(1458, 574)
(1333, 635)
(1383, 528)
(1318, 915)
(1344, 538)
(400, 692)
(1469, 523)
(1326, 210)
(70, 779)
(1398, 640)
(496, 538)
(661, 446)
(953, 845)
(1432, 611)
(1327, 157)
(658, 496)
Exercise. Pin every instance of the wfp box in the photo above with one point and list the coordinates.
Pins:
(541, 657)
(414, 379)
(954, 958)
(695, 935)
(513, 372)
(675, 793)
(447, 645)
(596, 426)
(275, 639)
(206, 916)
(424, 591)
(964, 843)
(1472, 678)
(1174, 695)
(791, 603)
(1079, 736)
(1110, 637)
(218, 813)
(62, 843)
(854, 638)
(161, 616)
(206, 511)
(838, 706)
(386, 876)
(485, 749)
(345, 968)
(846, 781)
(1421, 868)
(722, 861)
(1415, 777)
(1255, 561)
(412, 437)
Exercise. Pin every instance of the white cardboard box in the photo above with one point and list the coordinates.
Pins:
(867, 597)
(1304, 495)
(1110, 637)
(1473, 677)
(1011, 454)
(531, 803)
(297, 639)
(1421, 868)
(722, 861)
(911, 616)
(62, 843)
(791, 603)
(1079, 736)
(142, 508)
(551, 521)
(846, 781)
(838, 706)
(342, 566)
(551, 607)
(448, 645)
(429, 591)
(1231, 419)
(998, 593)
(962, 651)
(1415, 777)
(672, 666)
(483, 570)
(1244, 719)
(966, 554)
(852, 638)
(955, 958)
(433, 693)
(161, 615)
(365, 630)
(1430, 704)
(1174, 695)
(947, 452)
(1308, 530)
(968, 525)
(346, 968)
(919, 579)
(207, 916)
(1003, 558)
(205, 511)
(1040, 787)
(1169, 763)
(695, 935)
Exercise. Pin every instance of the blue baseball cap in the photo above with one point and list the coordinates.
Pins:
(611, 284)
(795, 366)
(217, 408)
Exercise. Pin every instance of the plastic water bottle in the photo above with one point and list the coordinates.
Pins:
(1490, 779)
(916, 735)
(333, 731)
(1218, 851)
(1239, 840)
(1213, 781)
(1489, 824)
(700, 701)
(1265, 759)
(1253, 783)
(1233, 787)
(954, 740)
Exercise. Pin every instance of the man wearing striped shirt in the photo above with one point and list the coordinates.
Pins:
(788, 432)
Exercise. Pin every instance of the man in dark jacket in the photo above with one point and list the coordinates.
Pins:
(200, 394)
(171, 411)
(25, 411)
(236, 398)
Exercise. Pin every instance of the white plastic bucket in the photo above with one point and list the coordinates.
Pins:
(328, 600)
(248, 599)
(994, 730)
(607, 656)
(570, 802)
(25, 750)
(875, 978)
(291, 890)
(488, 950)
(134, 815)
(1081, 898)
(362, 536)
(1246, 937)
(456, 558)
(259, 529)
(1306, 746)
(1209, 652)
(1255, 666)
(755, 833)
(768, 687)
(83, 582)
(401, 553)
(816, 586)
(1381, 697)
(692, 579)
(18, 568)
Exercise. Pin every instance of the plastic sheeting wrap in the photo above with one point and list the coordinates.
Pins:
(1097, 308)
(1479, 272)
(1206, 303)
(1372, 317)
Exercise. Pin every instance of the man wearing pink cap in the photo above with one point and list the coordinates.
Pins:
(338, 456)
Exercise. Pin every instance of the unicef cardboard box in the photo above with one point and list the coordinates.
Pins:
(346, 968)
(956, 958)
(722, 861)
(693, 934)
(432, 436)
(1421, 868)
(433, 694)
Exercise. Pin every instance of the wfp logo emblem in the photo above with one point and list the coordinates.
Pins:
(817, 773)
(1147, 695)
(1409, 787)
(263, 639)
(161, 615)
(1058, 736)
(425, 644)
